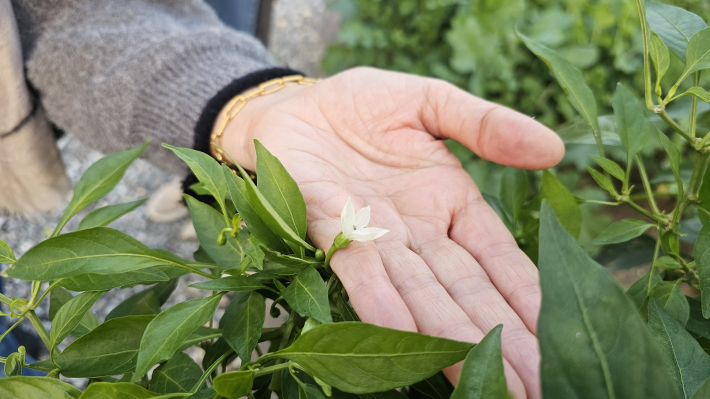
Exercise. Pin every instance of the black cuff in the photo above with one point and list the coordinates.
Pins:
(205, 124)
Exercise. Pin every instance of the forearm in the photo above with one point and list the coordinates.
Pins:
(116, 73)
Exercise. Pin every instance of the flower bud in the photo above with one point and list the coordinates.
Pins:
(320, 255)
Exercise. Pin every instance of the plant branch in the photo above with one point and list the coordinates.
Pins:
(666, 118)
(646, 64)
(644, 212)
(694, 107)
(32, 316)
(44, 294)
(209, 371)
(647, 186)
(12, 327)
(693, 190)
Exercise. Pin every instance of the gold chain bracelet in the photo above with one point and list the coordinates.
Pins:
(237, 103)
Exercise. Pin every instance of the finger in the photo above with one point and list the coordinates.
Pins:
(434, 311)
(360, 269)
(492, 131)
(479, 230)
(469, 286)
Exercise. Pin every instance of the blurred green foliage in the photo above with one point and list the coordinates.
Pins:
(472, 44)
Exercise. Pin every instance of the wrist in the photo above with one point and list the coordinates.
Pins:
(249, 122)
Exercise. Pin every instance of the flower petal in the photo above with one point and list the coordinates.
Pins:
(367, 234)
(362, 217)
(347, 218)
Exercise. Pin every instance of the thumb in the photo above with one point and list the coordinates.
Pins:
(491, 131)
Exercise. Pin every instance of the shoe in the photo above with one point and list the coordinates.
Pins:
(165, 205)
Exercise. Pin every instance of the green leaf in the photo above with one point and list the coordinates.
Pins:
(280, 190)
(697, 324)
(235, 384)
(601, 348)
(667, 262)
(704, 198)
(117, 390)
(610, 167)
(290, 261)
(6, 254)
(661, 59)
(673, 156)
(15, 362)
(631, 122)
(513, 191)
(57, 299)
(674, 25)
(243, 331)
(669, 295)
(639, 290)
(697, 53)
(143, 303)
(36, 387)
(482, 374)
(270, 216)
(702, 262)
(207, 170)
(703, 390)
(70, 315)
(689, 365)
(621, 231)
(99, 282)
(104, 216)
(348, 355)
(207, 393)
(208, 224)
(170, 328)
(232, 283)
(571, 80)
(238, 192)
(109, 349)
(308, 391)
(698, 92)
(98, 180)
(308, 295)
(179, 374)
(562, 201)
(100, 250)
(602, 180)
(198, 336)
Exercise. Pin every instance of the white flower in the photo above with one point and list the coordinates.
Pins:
(354, 224)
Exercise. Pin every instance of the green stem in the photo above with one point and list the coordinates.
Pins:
(644, 212)
(590, 201)
(271, 369)
(7, 301)
(44, 294)
(646, 64)
(647, 186)
(691, 193)
(653, 266)
(12, 327)
(664, 115)
(328, 256)
(209, 371)
(32, 316)
(694, 107)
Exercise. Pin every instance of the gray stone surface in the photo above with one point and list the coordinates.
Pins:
(300, 32)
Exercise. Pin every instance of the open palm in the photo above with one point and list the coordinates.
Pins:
(448, 267)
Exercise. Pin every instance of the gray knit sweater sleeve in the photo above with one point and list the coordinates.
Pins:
(114, 73)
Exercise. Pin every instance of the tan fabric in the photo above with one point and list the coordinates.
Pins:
(32, 175)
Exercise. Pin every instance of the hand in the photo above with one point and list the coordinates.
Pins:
(448, 267)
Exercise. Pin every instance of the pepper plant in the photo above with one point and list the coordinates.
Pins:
(596, 340)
